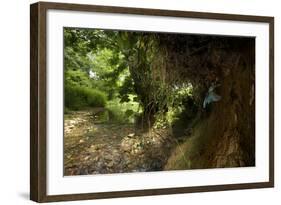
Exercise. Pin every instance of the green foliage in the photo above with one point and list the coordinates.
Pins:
(96, 98)
(93, 58)
(81, 97)
(130, 67)
(127, 89)
(181, 108)
(76, 78)
(122, 112)
(161, 122)
(109, 71)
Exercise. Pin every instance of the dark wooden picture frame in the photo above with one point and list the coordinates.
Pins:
(38, 102)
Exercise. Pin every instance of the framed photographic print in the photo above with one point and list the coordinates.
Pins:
(134, 102)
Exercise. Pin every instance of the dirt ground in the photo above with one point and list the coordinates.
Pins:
(92, 147)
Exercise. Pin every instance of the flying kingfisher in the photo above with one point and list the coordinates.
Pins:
(211, 96)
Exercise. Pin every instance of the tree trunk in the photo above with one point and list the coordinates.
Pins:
(225, 135)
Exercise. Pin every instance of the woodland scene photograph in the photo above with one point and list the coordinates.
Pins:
(139, 101)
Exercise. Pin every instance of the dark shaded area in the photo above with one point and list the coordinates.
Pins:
(226, 129)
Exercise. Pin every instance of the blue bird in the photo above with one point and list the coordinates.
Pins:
(211, 96)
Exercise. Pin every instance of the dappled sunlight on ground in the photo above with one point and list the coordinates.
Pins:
(100, 148)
